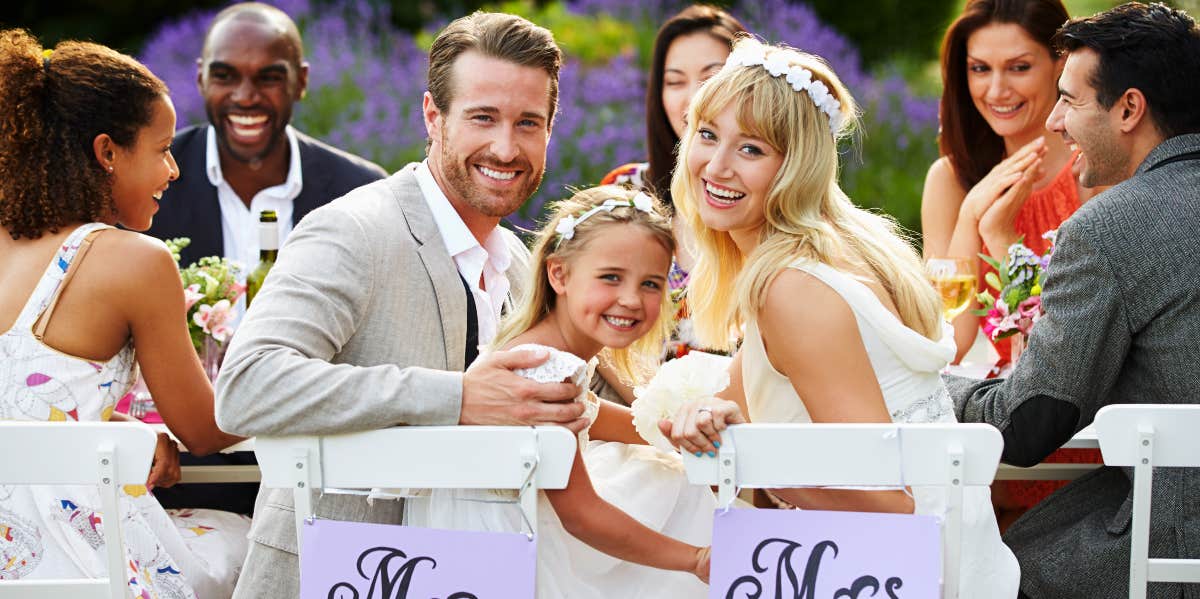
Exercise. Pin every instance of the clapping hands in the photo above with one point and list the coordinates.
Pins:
(994, 202)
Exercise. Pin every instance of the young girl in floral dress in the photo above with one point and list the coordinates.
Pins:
(599, 288)
(84, 145)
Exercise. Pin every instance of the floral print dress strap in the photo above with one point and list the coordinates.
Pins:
(52, 278)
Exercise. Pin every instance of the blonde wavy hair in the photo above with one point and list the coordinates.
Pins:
(807, 215)
(633, 363)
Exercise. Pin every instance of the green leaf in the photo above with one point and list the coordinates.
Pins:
(994, 281)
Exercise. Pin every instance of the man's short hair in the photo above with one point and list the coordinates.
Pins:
(1150, 47)
(496, 35)
(264, 14)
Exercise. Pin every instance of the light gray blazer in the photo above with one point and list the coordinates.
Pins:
(360, 325)
(1122, 325)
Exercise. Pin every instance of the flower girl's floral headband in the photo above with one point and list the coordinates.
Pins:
(800, 78)
(566, 225)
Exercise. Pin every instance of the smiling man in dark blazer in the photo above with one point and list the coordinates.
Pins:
(248, 158)
(1121, 318)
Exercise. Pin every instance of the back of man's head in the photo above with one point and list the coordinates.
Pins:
(1149, 47)
(264, 14)
(495, 35)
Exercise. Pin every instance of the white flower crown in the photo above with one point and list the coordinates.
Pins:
(800, 78)
(566, 225)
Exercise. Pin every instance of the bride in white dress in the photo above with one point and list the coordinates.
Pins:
(628, 524)
(838, 321)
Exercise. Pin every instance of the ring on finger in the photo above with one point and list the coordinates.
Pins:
(704, 409)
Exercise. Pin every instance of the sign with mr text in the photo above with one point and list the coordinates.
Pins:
(357, 560)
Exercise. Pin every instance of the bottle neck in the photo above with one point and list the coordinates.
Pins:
(268, 238)
(267, 255)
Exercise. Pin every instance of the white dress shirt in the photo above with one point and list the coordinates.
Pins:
(475, 262)
(239, 224)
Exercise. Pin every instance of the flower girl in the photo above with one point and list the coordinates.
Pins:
(599, 289)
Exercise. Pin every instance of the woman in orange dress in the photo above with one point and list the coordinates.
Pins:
(1002, 176)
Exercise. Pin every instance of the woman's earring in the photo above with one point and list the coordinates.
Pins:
(110, 169)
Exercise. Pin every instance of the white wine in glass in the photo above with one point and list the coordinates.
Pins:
(955, 281)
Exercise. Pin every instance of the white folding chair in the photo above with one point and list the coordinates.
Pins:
(107, 455)
(1145, 436)
(764, 456)
(427, 457)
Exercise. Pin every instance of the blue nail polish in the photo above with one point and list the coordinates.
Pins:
(712, 455)
(717, 444)
(699, 453)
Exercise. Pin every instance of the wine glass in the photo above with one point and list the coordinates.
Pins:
(955, 279)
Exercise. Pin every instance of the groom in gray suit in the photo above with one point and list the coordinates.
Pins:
(380, 299)
(1122, 317)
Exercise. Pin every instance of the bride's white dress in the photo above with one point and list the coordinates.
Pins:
(908, 367)
(642, 481)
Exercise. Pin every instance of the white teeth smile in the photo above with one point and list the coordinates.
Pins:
(620, 322)
(723, 195)
(1006, 109)
(247, 121)
(158, 195)
(499, 175)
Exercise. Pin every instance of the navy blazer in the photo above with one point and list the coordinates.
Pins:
(190, 208)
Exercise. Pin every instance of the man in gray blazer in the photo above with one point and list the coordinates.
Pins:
(1122, 319)
(381, 298)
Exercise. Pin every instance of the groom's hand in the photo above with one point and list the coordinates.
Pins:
(492, 394)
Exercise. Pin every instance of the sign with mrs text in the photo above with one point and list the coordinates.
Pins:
(357, 560)
(809, 554)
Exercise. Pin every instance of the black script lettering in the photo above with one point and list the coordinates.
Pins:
(857, 587)
(387, 581)
(892, 584)
(805, 588)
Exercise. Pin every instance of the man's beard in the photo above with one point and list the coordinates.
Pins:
(458, 178)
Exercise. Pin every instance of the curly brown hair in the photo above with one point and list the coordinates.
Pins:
(54, 107)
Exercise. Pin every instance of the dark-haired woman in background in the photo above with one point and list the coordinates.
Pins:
(1002, 176)
(85, 141)
(689, 48)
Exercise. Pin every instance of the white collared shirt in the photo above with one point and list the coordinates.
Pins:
(239, 224)
(487, 262)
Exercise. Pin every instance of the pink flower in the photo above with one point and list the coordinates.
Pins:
(236, 290)
(191, 295)
(1031, 307)
(213, 319)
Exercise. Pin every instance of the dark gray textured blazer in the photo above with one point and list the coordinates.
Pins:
(1122, 325)
(190, 208)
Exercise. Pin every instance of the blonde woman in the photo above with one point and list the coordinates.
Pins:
(838, 322)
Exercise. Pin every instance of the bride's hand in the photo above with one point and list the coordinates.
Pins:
(703, 560)
(696, 427)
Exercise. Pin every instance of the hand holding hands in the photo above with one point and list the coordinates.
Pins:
(493, 394)
(696, 427)
(164, 470)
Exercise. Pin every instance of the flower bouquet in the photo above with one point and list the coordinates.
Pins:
(695, 376)
(1018, 282)
(211, 291)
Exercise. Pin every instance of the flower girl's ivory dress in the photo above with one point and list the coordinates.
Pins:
(908, 367)
(640, 480)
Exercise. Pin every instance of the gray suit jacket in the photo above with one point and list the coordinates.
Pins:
(360, 325)
(1121, 326)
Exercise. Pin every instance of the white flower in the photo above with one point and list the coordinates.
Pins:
(776, 65)
(693, 377)
(818, 92)
(747, 56)
(799, 78)
(643, 202)
(566, 227)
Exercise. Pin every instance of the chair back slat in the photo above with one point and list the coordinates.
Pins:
(780, 455)
(1176, 442)
(63, 461)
